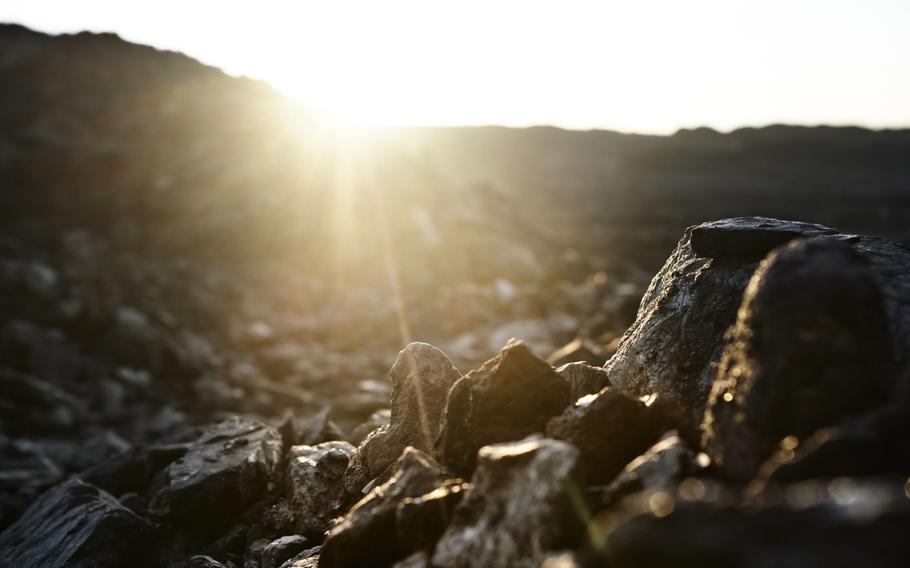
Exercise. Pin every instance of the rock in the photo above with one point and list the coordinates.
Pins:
(202, 561)
(871, 445)
(377, 420)
(225, 470)
(421, 378)
(610, 429)
(577, 350)
(305, 559)
(77, 525)
(811, 345)
(279, 551)
(420, 521)
(26, 471)
(750, 237)
(676, 340)
(417, 560)
(509, 397)
(518, 507)
(583, 378)
(677, 337)
(660, 468)
(366, 536)
(315, 481)
(847, 523)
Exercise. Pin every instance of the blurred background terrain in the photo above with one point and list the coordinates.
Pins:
(177, 244)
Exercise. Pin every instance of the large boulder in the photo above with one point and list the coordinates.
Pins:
(225, 471)
(509, 397)
(519, 506)
(676, 341)
(366, 536)
(314, 480)
(610, 428)
(811, 345)
(77, 525)
(421, 378)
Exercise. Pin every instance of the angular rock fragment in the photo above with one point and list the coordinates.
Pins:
(419, 521)
(225, 470)
(677, 337)
(660, 468)
(314, 478)
(509, 397)
(583, 378)
(421, 378)
(811, 345)
(76, 525)
(610, 429)
(519, 506)
(366, 536)
(277, 552)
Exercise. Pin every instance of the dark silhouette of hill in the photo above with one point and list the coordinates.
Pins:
(171, 155)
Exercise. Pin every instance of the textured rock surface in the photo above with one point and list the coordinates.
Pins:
(610, 429)
(509, 397)
(314, 478)
(677, 336)
(584, 378)
(659, 469)
(517, 508)
(419, 521)
(225, 470)
(76, 525)
(366, 536)
(811, 345)
(281, 550)
(421, 378)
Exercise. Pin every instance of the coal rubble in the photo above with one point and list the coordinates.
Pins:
(754, 414)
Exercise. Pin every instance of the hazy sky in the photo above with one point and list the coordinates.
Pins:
(641, 66)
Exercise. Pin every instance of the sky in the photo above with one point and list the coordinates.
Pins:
(639, 66)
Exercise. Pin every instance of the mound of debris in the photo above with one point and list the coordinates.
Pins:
(754, 415)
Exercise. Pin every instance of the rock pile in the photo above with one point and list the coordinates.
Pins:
(755, 414)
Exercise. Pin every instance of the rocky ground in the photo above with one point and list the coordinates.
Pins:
(754, 413)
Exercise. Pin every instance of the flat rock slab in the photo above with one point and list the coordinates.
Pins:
(77, 525)
(225, 470)
(508, 398)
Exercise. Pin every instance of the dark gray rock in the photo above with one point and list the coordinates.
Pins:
(277, 552)
(677, 337)
(842, 523)
(583, 378)
(517, 508)
(660, 468)
(811, 345)
(225, 470)
(420, 521)
(366, 536)
(202, 561)
(377, 420)
(610, 429)
(421, 378)
(76, 525)
(305, 559)
(509, 397)
(315, 484)
(676, 341)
